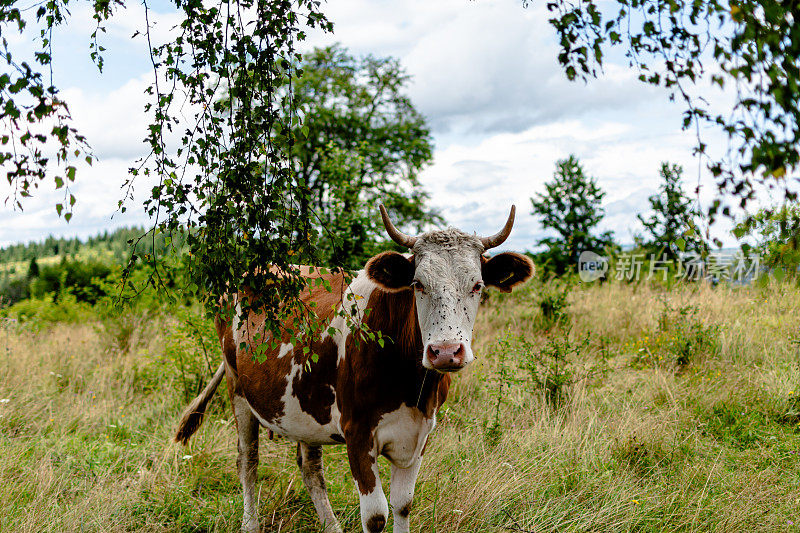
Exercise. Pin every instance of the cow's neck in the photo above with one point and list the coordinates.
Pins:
(394, 315)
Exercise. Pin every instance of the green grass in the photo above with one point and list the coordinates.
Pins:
(676, 411)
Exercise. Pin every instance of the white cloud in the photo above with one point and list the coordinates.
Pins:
(114, 123)
(97, 189)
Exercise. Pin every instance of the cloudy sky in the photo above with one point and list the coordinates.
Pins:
(484, 74)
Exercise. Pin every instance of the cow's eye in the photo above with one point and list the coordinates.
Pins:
(418, 286)
(477, 288)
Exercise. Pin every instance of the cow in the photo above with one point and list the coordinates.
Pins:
(376, 398)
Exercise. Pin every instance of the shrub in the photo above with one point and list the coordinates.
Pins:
(679, 339)
(13, 290)
(192, 352)
(45, 310)
(554, 368)
(553, 304)
(78, 278)
(120, 330)
(549, 370)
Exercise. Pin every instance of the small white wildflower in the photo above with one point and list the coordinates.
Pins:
(508, 465)
(5, 400)
(187, 457)
(458, 511)
(112, 426)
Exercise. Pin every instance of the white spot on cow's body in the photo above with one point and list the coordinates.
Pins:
(402, 433)
(295, 423)
(285, 348)
(350, 312)
(237, 311)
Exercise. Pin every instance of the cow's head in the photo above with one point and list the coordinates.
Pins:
(447, 272)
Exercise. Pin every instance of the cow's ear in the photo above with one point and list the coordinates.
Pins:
(391, 271)
(506, 270)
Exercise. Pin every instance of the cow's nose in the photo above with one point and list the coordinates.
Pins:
(447, 357)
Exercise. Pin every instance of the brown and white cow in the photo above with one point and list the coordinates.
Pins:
(375, 400)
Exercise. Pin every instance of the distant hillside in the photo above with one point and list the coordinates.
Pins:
(76, 265)
(111, 247)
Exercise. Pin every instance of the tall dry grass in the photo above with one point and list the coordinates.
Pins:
(677, 411)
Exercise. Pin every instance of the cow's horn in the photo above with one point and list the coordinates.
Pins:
(498, 238)
(397, 236)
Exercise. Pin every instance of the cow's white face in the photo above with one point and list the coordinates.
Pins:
(447, 289)
(447, 274)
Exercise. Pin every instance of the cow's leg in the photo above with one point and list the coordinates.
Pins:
(402, 493)
(247, 461)
(363, 457)
(309, 459)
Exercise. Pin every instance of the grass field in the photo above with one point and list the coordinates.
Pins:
(613, 408)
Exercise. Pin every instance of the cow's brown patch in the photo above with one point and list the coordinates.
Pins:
(314, 386)
(373, 381)
(264, 376)
(405, 510)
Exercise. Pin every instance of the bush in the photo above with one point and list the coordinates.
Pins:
(554, 368)
(120, 330)
(75, 277)
(192, 352)
(553, 305)
(42, 311)
(679, 340)
(551, 369)
(13, 290)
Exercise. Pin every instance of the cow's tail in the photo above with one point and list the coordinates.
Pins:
(192, 417)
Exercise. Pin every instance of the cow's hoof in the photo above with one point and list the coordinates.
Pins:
(376, 523)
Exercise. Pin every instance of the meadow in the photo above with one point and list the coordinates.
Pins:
(613, 407)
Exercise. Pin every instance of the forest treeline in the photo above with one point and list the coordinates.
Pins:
(88, 269)
(113, 245)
